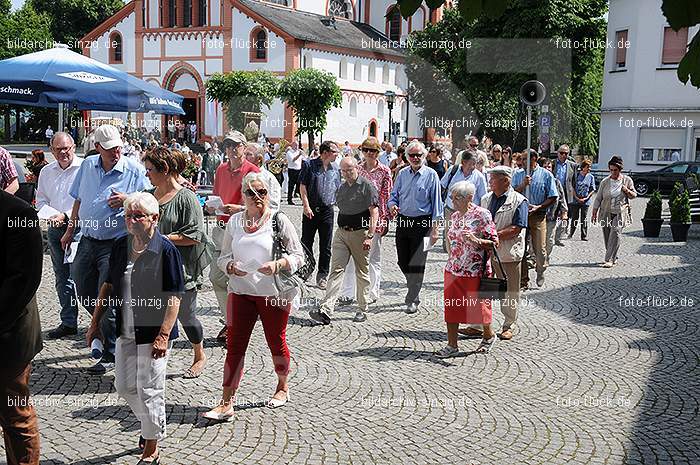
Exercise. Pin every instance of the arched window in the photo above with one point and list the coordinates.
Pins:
(393, 23)
(353, 106)
(358, 71)
(385, 74)
(373, 129)
(372, 73)
(115, 48)
(397, 77)
(380, 109)
(308, 61)
(258, 50)
(343, 71)
(342, 8)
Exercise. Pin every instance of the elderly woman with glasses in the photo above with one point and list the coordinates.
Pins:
(247, 258)
(181, 220)
(472, 234)
(146, 278)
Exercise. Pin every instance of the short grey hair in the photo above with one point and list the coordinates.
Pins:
(463, 189)
(250, 178)
(143, 201)
(416, 144)
(61, 134)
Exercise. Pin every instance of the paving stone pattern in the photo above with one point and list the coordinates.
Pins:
(591, 377)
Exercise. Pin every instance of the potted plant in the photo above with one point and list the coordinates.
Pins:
(652, 216)
(680, 213)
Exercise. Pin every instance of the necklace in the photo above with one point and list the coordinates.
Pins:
(251, 225)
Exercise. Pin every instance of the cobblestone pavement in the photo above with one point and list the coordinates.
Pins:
(595, 374)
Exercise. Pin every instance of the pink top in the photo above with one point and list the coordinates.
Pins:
(7, 169)
(465, 257)
(380, 177)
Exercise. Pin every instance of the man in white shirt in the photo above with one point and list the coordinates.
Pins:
(294, 157)
(54, 183)
(48, 134)
(388, 155)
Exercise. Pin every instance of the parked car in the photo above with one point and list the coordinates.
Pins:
(664, 178)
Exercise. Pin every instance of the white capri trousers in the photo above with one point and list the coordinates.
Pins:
(375, 272)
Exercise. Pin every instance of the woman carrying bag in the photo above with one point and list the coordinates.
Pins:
(472, 234)
(612, 208)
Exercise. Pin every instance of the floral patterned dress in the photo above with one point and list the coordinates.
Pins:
(463, 269)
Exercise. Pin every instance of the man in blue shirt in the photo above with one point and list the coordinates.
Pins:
(319, 181)
(99, 190)
(417, 201)
(465, 171)
(565, 170)
(541, 191)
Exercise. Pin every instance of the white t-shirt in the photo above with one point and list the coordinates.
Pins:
(615, 187)
(291, 164)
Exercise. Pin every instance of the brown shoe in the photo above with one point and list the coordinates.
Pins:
(506, 335)
(471, 332)
(221, 337)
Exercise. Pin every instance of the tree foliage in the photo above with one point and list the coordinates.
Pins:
(311, 93)
(72, 19)
(450, 82)
(242, 91)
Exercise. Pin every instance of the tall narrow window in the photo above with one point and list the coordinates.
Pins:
(621, 50)
(675, 45)
(358, 71)
(371, 73)
(353, 106)
(343, 71)
(258, 37)
(385, 74)
(115, 48)
(202, 4)
(188, 13)
(380, 109)
(172, 12)
(393, 23)
(143, 13)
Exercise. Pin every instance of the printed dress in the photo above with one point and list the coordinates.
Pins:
(463, 269)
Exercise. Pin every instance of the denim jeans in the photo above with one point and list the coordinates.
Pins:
(65, 286)
(89, 270)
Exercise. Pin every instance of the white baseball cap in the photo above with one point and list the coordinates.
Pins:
(108, 137)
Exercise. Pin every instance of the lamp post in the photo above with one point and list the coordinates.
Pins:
(390, 99)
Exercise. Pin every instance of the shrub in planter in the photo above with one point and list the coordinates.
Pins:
(680, 216)
(652, 216)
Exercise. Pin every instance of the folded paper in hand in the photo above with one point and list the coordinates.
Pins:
(215, 202)
(47, 212)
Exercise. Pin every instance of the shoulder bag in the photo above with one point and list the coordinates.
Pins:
(492, 288)
(446, 190)
(285, 280)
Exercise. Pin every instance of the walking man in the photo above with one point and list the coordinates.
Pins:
(54, 190)
(319, 182)
(294, 157)
(565, 171)
(417, 201)
(357, 202)
(542, 193)
(509, 211)
(99, 189)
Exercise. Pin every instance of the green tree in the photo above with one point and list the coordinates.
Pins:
(446, 81)
(242, 91)
(679, 14)
(311, 93)
(72, 19)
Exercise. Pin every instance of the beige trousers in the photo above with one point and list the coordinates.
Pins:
(347, 245)
(509, 305)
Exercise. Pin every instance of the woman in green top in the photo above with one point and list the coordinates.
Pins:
(182, 222)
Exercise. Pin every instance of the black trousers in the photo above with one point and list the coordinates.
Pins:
(292, 183)
(410, 234)
(576, 210)
(322, 222)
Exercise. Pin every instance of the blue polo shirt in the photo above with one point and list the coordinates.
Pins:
(561, 169)
(542, 186)
(93, 186)
(475, 177)
(417, 193)
(321, 184)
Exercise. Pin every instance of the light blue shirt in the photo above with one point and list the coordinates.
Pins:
(542, 186)
(561, 169)
(93, 186)
(386, 157)
(476, 177)
(417, 194)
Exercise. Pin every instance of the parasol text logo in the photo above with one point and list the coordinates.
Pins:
(17, 90)
(84, 76)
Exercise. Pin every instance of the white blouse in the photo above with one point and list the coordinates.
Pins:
(249, 251)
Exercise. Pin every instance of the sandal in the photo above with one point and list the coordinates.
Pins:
(447, 352)
(221, 337)
(486, 345)
(190, 373)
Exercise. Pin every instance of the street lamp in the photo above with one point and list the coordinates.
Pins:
(390, 99)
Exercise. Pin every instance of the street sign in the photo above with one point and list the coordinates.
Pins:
(545, 121)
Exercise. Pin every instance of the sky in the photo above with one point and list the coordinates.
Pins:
(17, 4)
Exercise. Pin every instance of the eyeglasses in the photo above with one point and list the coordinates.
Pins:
(135, 216)
(414, 155)
(256, 193)
(63, 149)
(563, 153)
(473, 145)
(364, 149)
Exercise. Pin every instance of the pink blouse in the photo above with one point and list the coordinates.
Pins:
(380, 177)
(465, 257)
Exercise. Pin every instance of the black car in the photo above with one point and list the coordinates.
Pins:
(664, 178)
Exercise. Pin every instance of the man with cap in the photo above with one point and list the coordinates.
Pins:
(541, 192)
(509, 211)
(227, 185)
(99, 189)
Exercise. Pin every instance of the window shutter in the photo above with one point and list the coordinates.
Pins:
(675, 44)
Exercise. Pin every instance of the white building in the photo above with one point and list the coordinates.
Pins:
(648, 116)
(179, 44)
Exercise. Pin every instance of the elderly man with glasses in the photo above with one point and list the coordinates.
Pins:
(417, 201)
(53, 191)
(565, 171)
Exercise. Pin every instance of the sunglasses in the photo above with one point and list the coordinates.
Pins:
(414, 155)
(256, 193)
(370, 150)
(563, 153)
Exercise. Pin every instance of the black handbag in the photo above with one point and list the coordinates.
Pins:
(285, 281)
(492, 288)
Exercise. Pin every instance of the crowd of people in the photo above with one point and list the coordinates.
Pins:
(127, 243)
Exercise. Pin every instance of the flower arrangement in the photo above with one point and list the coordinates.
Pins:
(194, 165)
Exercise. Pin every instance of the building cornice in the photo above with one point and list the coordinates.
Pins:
(110, 22)
(650, 110)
